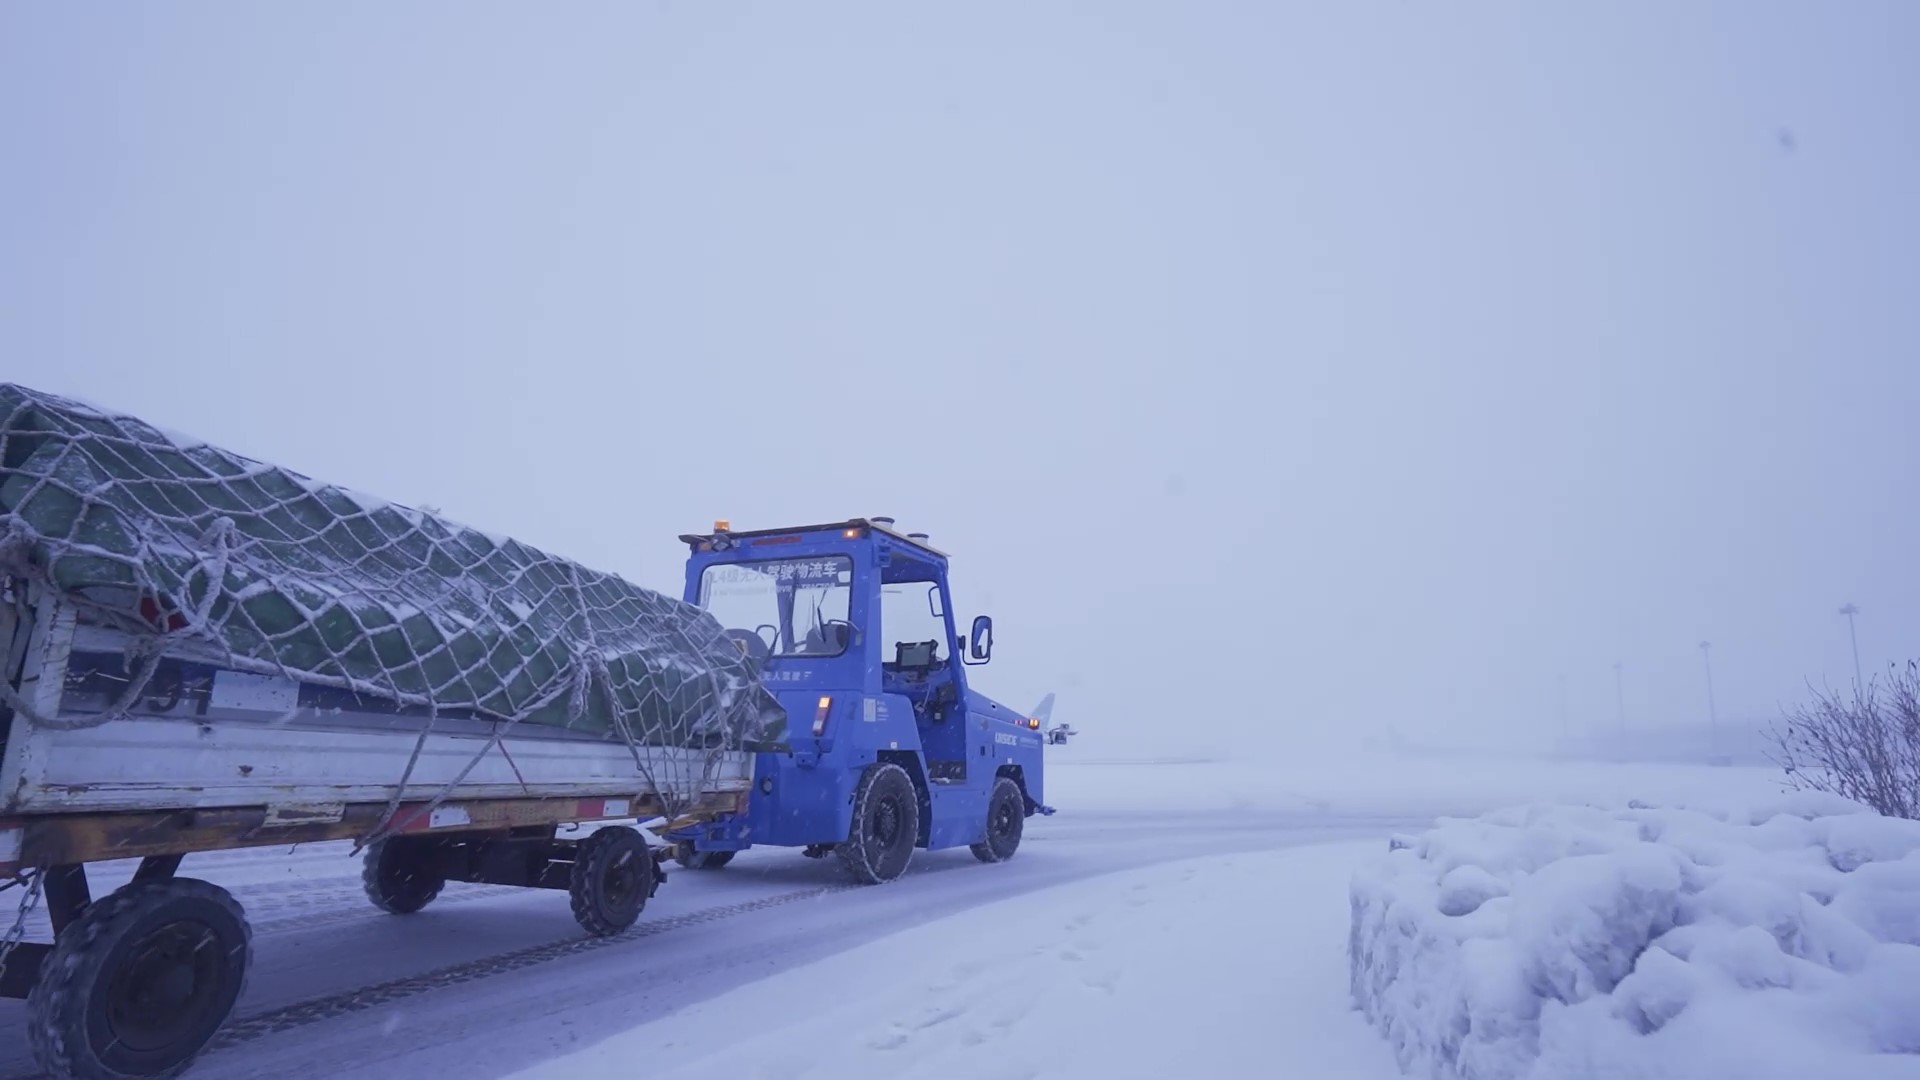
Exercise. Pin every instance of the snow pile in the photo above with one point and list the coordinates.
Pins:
(1549, 942)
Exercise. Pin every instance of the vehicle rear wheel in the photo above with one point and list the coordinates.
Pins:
(701, 860)
(613, 877)
(886, 825)
(1006, 820)
(140, 983)
(392, 876)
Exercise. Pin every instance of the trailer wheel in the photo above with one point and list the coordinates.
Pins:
(390, 873)
(613, 875)
(140, 983)
(886, 825)
(701, 860)
(1006, 820)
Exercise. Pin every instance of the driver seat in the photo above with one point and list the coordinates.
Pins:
(826, 640)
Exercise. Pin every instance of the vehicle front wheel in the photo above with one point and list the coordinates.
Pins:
(1006, 820)
(140, 983)
(886, 825)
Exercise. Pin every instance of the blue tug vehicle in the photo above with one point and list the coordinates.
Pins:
(891, 750)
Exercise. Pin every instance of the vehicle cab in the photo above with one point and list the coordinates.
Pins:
(851, 627)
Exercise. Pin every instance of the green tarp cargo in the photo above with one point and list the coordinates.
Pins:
(166, 536)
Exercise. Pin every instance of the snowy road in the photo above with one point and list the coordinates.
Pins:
(1230, 967)
(493, 980)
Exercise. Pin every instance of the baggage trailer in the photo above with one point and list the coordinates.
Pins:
(203, 653)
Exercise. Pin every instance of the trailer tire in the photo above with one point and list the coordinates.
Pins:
(701, 860)
(886, 825)
(613, 877)
(1006, 820)
(93, 1014)
(389, 873)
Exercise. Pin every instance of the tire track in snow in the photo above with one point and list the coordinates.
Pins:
(301, 1014)
(314, 1010)
(344, 904)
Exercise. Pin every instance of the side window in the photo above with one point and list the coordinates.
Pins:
(909, 615)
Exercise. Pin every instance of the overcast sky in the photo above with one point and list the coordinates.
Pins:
(1270, 370)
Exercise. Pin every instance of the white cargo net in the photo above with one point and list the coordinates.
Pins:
(169, 541)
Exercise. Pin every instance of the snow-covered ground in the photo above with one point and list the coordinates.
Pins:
(1227, 966)
(1771, 941)
(492, 981)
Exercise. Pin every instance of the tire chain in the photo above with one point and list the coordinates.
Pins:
(315, 1010)
(18, 932)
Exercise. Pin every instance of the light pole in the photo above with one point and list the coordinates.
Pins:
(1713, 713)
(1859, 684)
(1620, 697)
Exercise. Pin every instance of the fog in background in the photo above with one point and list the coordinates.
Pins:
(1276, 373)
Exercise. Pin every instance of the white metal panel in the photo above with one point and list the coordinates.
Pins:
(43, 676)
(151, 763)
(259, 693)
(297, 762)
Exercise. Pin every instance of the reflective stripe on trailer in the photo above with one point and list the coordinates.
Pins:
(64, 839)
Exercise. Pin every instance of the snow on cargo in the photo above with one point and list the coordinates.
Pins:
(90, 500)
(1538, 942)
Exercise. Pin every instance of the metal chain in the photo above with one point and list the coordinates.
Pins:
(19, 928)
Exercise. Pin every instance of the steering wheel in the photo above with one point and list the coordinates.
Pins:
(846, 640)
(751, 645)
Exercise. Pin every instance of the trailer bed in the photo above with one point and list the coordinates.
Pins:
(146, 763)
(211, 738)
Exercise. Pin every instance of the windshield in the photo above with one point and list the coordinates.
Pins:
(796, 607)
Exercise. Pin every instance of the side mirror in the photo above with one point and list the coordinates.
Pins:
(980, 648)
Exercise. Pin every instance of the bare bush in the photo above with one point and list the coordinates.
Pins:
(1864, 746)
